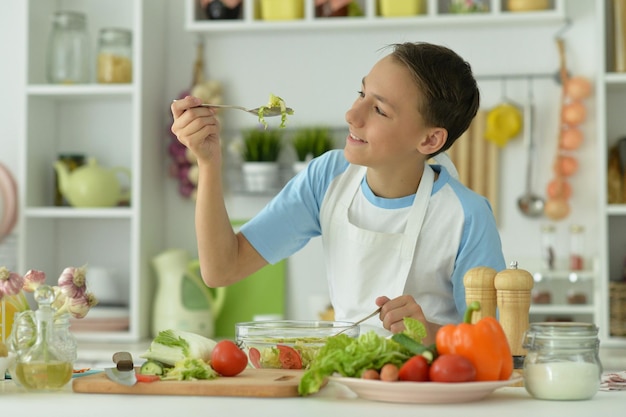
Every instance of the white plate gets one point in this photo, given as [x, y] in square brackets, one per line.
[422, 392]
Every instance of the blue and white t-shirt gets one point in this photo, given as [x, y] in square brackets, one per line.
[458, 233]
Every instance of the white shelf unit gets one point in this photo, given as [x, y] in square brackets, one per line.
[558, 283]
[119, 125]
[611, 100]
[436, 14]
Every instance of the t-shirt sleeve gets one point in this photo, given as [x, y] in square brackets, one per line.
[291, 218]
[480, 246]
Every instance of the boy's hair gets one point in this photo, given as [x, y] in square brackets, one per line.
[450, 96]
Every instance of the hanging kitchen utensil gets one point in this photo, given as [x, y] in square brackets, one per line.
[529, 203]
[124, 370]
[504, 121]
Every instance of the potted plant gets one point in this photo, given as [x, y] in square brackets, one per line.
[309, 143]
[260, 151]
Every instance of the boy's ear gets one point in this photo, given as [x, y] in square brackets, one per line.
[433, 141]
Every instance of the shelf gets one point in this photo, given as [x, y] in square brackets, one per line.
[249, 22]
[562, 309]
[375, 22]
[115, 123]
[564, 275]
[616, 209]
[78, 213]
[615, 78]
[80, 90]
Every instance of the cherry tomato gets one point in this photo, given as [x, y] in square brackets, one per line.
[255, 357]
[289, 357]
[389, 372]
[147, 378]
[451, 367]
[415, 369]
[227, 359]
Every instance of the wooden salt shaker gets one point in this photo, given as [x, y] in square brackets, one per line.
[479, 286]
[513, 287]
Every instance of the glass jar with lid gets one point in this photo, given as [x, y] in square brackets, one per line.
[68, 49]
[577, 247]
[562, 361]
[548, 246]
[115, 56]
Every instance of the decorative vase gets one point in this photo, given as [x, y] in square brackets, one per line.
[260, 176]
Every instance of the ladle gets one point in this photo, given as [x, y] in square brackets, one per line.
[529, 203]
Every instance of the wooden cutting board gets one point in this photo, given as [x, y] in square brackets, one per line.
[249, 383]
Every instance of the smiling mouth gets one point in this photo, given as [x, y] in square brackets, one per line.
[358, 139]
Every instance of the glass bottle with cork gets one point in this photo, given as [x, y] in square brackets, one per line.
[44, 366]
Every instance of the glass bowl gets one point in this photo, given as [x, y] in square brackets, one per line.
[287, 344]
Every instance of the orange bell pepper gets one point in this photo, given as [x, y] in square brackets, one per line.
[483, 343]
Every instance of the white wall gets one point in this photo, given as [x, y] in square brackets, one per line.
[318, 73]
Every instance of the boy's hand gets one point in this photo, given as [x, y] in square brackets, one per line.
[197, 128]
[394, 311]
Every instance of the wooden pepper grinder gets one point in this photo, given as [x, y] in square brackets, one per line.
[479, 286]
[513, 288]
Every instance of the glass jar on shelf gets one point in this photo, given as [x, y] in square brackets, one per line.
[68, 49]
[548, 246]
[115, 56]
[579, 290]
[576, 247]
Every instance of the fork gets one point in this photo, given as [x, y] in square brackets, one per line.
[267, 111]
[360, 321]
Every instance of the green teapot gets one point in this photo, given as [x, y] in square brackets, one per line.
[91, 185]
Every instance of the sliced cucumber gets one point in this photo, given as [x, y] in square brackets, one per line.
[152, 367]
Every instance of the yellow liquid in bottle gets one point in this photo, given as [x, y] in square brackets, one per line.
[44, 375]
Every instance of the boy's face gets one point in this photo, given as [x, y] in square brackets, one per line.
[385, 124]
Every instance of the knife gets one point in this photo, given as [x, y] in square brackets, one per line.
[124, 371]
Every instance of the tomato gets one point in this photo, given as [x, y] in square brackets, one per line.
[451, 367]
[289, 357]
[415, 369]
[255, 357]
[228, 359]
[147, 378]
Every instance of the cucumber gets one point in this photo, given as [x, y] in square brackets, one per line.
[152, 367]
[414, 347]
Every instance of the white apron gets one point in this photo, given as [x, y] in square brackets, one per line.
[364, 264]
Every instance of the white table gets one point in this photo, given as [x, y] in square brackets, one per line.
[334, 400]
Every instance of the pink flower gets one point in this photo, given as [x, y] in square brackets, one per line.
[73, 282]
[11, 283]
[33, 279]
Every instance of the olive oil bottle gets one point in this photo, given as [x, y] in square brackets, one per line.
[43, 367]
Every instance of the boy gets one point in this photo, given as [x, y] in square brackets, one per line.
[397, 232]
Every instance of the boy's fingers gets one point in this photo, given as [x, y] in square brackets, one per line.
[180, 106]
